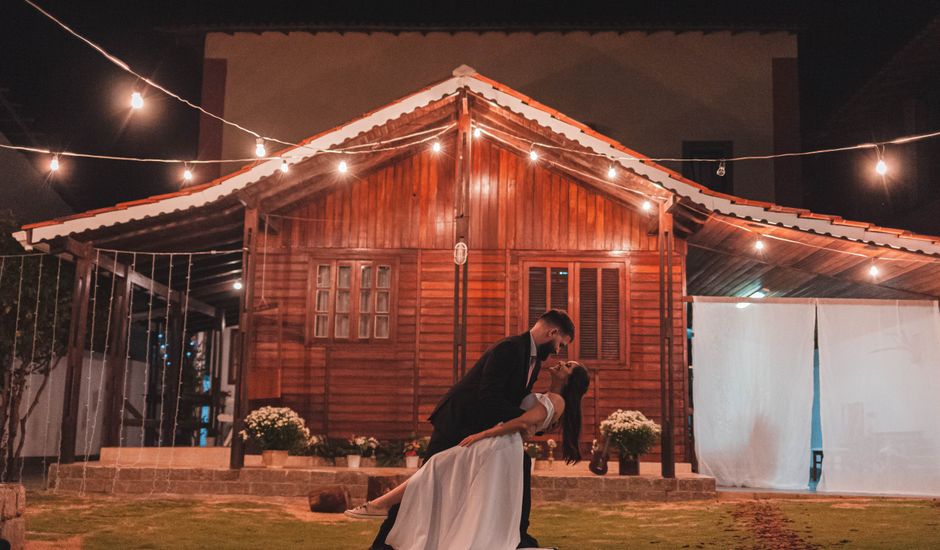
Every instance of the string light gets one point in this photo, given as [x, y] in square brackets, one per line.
[137, 101]
[533, 155]
[237, 285]
[477, 132]
[759, 245]
[343, 167]
[284, 166]
[187, 173]
[647, 206]
[611, 172]
[881, 167]
[721, 169]
[436, 147]
[260, 152]
[873, 270]
[54, 163]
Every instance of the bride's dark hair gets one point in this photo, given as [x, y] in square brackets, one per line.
[572, 393]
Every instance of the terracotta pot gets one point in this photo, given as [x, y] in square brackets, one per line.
[352, 461]
[412, 462]
[273, 459]
[629, 465]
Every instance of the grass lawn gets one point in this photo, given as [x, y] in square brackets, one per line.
[67, 521]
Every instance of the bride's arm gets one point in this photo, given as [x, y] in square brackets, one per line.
[526, 423]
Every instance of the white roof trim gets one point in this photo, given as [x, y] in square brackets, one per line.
[509, 101]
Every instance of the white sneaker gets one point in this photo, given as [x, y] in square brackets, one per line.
[363, 511]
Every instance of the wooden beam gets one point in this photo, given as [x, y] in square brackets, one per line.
[250, 237]
[139, 279]
[116, 362]
[76, 352]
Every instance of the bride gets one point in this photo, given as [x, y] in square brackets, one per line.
[470, 496]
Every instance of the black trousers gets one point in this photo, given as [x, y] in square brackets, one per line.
[439, 443]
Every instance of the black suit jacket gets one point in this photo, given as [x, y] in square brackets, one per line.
[489, 393]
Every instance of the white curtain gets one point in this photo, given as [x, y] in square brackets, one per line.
[753, 392]
[879, 376]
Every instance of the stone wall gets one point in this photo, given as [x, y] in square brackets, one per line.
[12, 515]
[301, 482]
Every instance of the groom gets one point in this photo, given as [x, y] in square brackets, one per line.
[490, 393]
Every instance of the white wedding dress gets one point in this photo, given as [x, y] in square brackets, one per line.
[467, 498]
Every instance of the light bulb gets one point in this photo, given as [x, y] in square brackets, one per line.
[721, 168]
[881, 167]
[477, 132]
[759, 244]
[137, 101]
[54, 163]
[533, 155]
[343, 167]
[259, 148]
[647, 206]
[611, 172]
[873, 270]
[436, 147]
[187, 174]
[237, 285]
[284, 166]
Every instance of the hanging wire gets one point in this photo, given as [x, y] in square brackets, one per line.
[91, 362]
[183, 344]
[127, 358]
[8, 406]
[28, 374]
[163, 356]
[53, 360]
[104, 356]
[143, 411]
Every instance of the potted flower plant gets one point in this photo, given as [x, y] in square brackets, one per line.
[633, 434]
[360, 446]
[413, 451]
[276, 430]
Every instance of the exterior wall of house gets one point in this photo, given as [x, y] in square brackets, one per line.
[650, 91]
[401, 215]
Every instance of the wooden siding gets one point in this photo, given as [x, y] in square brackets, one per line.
[404, 210]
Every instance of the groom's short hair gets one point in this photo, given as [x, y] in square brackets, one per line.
[559, 319]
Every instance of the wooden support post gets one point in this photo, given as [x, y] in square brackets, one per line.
[462, 233]
[78, 326]
[667, 455]
[237, 457]
[116, 361]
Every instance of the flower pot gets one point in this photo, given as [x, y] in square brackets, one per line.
[273, 459]
[412, 462]
[352, 461]
[629, 465]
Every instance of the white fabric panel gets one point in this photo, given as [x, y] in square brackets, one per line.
[753, 392]
[879, 376]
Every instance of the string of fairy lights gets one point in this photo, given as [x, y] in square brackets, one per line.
[432, 136]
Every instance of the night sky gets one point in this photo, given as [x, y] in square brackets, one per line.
[74, 99]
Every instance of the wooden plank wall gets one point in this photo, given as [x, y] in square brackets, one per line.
[405, 210]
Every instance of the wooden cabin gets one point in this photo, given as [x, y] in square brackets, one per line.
[359, 308]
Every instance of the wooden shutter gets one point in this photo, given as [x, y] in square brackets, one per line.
[538, 293]
[610, 313]
[558, 288]
[587, 313]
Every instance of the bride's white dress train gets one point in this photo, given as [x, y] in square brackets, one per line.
[467, 498]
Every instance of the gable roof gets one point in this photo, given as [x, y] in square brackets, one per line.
[516, 102]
